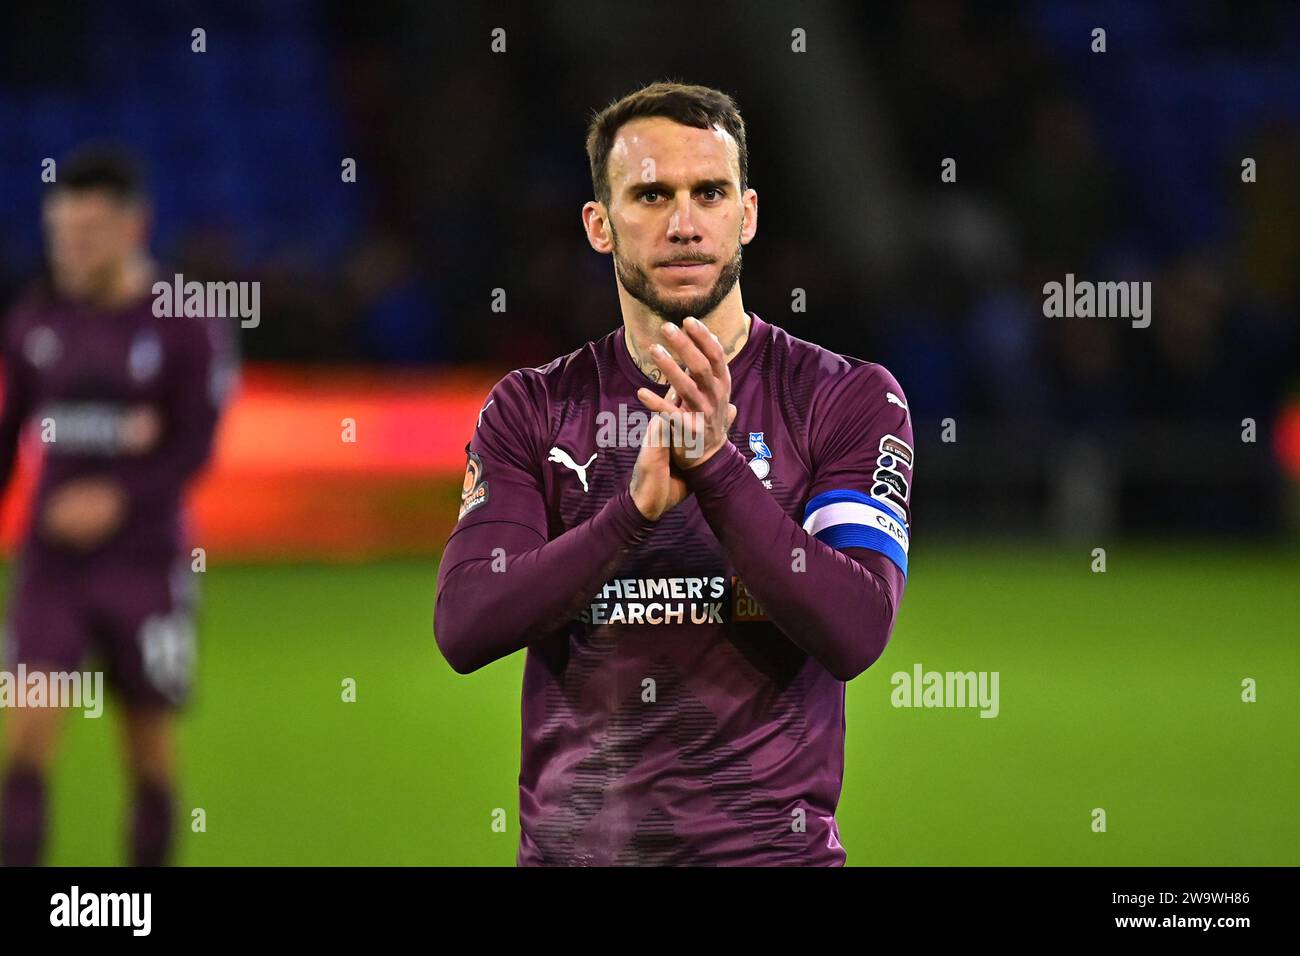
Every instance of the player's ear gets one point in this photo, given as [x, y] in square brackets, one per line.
[595, 222]
[749, 206]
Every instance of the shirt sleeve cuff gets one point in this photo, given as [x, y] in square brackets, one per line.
[627, 518]
[724, 466]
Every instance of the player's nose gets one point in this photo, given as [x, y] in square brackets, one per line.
[681, 226]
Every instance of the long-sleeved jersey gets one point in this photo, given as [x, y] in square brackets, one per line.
[683, 696]
[117, 393]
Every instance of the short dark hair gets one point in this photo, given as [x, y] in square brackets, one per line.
[105, 167]
[700, 106]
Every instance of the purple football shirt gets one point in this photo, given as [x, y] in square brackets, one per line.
[83, 376]
[683, 693]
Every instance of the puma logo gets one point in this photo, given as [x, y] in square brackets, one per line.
[560, 456]
[894, 399]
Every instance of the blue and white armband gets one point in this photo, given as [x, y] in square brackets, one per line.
[852, 519]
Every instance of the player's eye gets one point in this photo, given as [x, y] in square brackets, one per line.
[713, 189]
[649, 192]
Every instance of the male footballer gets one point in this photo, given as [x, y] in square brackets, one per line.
[698, 527]
[126, 404]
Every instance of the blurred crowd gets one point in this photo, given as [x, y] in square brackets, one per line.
[1115, 166]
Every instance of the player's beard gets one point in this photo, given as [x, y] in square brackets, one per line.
[639, 286]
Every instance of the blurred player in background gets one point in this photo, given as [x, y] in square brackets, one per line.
[694, 587]
[127, 404]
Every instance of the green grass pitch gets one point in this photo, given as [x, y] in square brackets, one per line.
[1119, 690]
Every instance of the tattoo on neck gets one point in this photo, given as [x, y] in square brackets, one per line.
[649, 369]
[732, 348]
[655, 373]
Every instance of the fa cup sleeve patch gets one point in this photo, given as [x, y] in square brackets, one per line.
[474, 490]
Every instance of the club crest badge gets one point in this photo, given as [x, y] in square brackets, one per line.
[145, 357]
[42, 346]
[760, 463]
